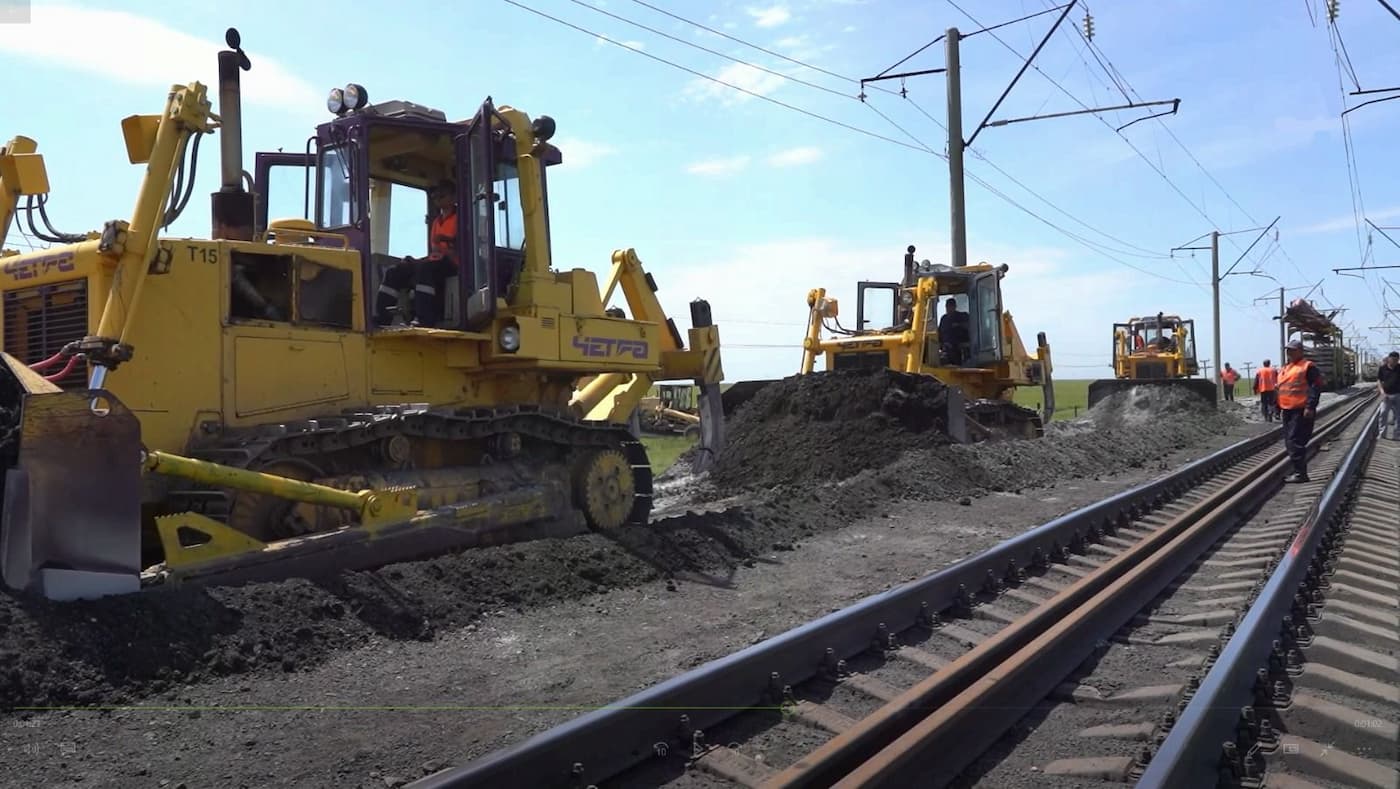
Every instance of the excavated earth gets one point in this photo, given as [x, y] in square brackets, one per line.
[834, 488]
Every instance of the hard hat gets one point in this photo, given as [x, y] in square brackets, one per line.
[1295, 344]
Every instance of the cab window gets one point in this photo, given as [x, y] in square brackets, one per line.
[336, 208]
[510, 216]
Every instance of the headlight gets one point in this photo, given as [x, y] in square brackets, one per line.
[906, 298]
[510, 339]
[356, 97]
[336, 101]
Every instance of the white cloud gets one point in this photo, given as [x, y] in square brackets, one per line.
[600, 42]
[719, 167]
[771, 16]
[1347, 222]
[795, 156]
[758, 293]
[849, 29]
[582, 153]
[739, 75]
[84, 39]
[1240, 146]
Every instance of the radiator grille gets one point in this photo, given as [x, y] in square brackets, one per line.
[40, 321]
[861, 360]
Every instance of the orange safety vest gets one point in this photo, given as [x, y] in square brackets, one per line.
[1268, 379]
[1230, 376]
[443, 226]
[1293, 385]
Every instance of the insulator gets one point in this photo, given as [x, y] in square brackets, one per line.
[1089, 25]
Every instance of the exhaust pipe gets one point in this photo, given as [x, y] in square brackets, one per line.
[232, 205]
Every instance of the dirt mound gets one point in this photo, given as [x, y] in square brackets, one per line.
[1140, 405]
[128, 648]
[827, 426]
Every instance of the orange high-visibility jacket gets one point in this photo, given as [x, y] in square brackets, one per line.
[1267, 380]
[1293, 385]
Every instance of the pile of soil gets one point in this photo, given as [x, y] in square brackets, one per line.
[1140, 405]
[822, 427]
[873, 438]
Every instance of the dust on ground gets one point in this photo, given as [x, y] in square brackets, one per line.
[766, 525]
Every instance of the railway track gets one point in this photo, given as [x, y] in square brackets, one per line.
[1306, 693]
[912, 686]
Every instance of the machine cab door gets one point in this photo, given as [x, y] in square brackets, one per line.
[865, 316]
[476, 164]
[282, 185]
[985, 319]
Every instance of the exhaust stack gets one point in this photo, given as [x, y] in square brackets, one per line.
[232, 205]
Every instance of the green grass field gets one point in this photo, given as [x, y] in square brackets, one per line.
[663, 450]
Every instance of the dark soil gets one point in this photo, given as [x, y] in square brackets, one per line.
[828, 426]
[122, 649]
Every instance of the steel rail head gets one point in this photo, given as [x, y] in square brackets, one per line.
[969, 713]
[663, 718]
[1192, 753]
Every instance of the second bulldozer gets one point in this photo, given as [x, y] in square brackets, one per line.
[982, 365]
[1158, 350]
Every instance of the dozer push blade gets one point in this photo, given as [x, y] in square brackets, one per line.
[740, 393]
[1105, 388]
[70, 523]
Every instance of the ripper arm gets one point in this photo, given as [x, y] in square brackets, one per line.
[158, 141]
[620, 394]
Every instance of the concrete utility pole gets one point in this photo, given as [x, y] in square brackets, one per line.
[1248, 370]
[1215, 305]
[957, 198]
[1216, 277]
[957, 202]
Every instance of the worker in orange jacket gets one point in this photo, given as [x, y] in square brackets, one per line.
[427, 276]
[1299, 391]
[1266, 386]
[1229, 377]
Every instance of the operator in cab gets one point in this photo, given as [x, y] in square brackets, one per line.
[426, 276]
[953, 332]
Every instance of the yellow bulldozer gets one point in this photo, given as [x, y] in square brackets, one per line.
[672, 410]
[182, 410]
[980, 356]
[1158, 350]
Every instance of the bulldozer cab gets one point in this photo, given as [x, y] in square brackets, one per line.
[369, 178]
[679, 397]
[976, 293]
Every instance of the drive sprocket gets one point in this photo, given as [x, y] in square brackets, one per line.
[604, 488]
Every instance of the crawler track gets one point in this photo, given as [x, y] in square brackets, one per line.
[911, 686]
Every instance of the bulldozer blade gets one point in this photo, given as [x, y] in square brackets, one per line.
[742, 392]
[1103, 389]
[70, 522]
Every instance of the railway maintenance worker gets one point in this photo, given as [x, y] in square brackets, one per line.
[1299, 390]
[1266, 386]
[1388, 382]
[1229, 377]
[428, 276]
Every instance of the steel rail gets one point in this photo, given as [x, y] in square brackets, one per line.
[1191, 754]
[605, 742]
[929, 733]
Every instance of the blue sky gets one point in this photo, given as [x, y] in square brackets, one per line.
[732, 197]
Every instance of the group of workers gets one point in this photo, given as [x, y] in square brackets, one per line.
[1292, 393]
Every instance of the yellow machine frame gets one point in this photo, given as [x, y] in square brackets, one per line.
[997, 360]
[157, 353]
[1163, 360]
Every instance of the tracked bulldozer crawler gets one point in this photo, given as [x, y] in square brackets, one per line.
[1156, 350]
[982, 369]
[189, 410]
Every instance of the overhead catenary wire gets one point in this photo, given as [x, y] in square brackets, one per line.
[917, 147]
[1130, 250]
